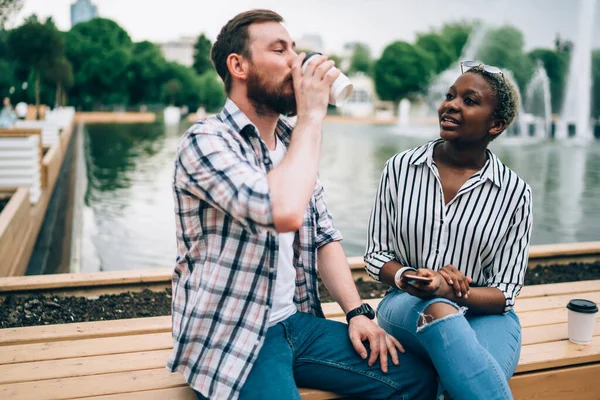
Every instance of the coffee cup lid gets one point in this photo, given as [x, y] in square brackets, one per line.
[582, 306]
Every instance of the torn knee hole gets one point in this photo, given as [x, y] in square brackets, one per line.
[436, 311]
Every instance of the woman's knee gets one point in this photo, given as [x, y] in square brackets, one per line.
[437, 311]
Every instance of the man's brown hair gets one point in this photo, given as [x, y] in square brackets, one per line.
[233, 38]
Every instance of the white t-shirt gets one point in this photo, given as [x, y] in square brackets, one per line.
[285, 285]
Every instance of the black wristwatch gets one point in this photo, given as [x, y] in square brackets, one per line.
[365, 310]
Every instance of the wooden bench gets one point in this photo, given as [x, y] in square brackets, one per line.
[125, 359]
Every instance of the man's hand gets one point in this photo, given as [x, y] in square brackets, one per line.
[311, 87]
[438, 287]
[363, 329]
[457, 280]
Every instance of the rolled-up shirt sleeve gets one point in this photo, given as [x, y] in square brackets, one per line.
[326, 232]
[209, 167]
[510, 261]
[380, 249]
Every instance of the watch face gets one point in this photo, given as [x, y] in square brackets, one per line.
[368, 311]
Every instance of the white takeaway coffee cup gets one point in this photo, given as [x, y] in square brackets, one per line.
[340, 89]
[582, 320]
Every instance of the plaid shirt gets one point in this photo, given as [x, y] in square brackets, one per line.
[227, 247]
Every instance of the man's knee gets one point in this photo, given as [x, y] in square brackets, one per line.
[436, 311]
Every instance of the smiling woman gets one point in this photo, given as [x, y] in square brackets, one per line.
[450, 211]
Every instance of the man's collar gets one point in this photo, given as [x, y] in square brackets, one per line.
[232, 115]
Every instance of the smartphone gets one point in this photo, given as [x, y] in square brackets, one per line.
[411, 279]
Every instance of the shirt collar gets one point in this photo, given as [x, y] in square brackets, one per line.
[232, 115]
[492, 170]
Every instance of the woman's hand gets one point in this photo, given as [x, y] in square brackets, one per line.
[438, 287]
[457, 280]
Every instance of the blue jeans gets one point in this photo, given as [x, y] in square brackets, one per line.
[474, 355]
[310, 352]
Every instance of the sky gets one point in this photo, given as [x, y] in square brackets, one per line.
[375, 22]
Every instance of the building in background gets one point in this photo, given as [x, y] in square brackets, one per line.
[82, 11]
[363, 99]
[180, 50]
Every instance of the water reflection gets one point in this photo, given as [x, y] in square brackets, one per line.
[129, 222]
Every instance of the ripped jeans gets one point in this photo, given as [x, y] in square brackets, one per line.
[474, 355]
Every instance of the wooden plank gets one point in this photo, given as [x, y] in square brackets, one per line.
[24, 353]
[93, 385]
[84, 279]
[564, 249]
[314, 394]
[82, 366]
[577, 383]
[550, 302]
[550, 333]
[84, 330]
[558, 354]
[552, 289]
[115, 117]
[14, 229]
[544, 317]
[178, 393]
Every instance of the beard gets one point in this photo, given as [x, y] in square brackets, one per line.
[270, 98]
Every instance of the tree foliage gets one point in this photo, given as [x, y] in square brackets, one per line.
[456, 35]
[439, 48]
[9, 8]
[596, 84]
[36, 46]
[402, 70]
[503, 47]
[100, 51]
[202, 61]
[360, 60]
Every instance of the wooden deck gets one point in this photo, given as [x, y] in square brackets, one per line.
[124, 359]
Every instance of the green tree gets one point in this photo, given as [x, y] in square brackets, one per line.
[403, 70]
[503, 47]
[60, 73]
[36, 46]
[439, 48]
[596, 83]
[212, 91]
[202, 61]
[190, 85]
[100, 52]
[146, 73]
[8, 8]
[456, 35]
[172, 89]
[7, 79]
[556, 65]
[360, 60]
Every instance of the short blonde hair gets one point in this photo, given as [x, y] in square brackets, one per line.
[506, 93]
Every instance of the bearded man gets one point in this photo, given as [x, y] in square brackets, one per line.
[252, 226]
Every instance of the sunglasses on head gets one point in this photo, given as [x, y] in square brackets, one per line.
[467, 65]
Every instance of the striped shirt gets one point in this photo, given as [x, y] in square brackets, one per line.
[226, 266]
[484, 231]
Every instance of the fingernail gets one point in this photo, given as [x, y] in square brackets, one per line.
[363, 355]
[451, 282]
[459, 294]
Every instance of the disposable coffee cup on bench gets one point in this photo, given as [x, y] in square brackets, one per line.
[582, 320]
[340, 89]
